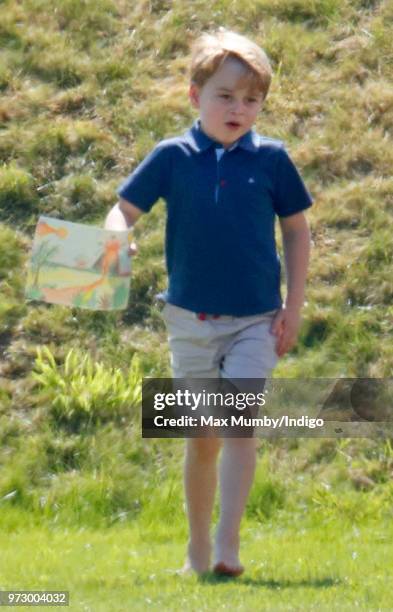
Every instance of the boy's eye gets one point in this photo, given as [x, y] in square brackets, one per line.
[225, 96]
[251, 100]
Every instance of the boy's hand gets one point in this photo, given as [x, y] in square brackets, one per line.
[132, 249]
[122, 217]
[285, 327]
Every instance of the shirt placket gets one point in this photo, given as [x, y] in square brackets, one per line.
[221, 178]
[219, 155]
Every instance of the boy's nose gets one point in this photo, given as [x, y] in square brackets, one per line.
[238, 106]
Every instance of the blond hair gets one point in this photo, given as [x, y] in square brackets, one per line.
[210, 50]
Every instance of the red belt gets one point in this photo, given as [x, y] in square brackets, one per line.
[202, 316]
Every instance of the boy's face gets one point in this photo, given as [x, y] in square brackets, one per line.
[228, 107]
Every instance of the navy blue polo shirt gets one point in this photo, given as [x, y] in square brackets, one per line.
[221, 207]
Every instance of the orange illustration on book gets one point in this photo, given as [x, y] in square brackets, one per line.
[69, 293]
[43, 229]
[110, 257]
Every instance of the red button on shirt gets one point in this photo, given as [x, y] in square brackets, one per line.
[223, 182]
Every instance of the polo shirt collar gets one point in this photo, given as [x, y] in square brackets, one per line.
[201, 141]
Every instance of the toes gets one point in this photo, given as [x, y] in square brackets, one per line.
[221, 569]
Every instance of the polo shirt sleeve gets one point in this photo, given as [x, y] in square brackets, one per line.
[291, 195]
[149, 181]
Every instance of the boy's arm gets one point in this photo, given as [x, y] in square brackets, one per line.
[296, 243]
[122, 216]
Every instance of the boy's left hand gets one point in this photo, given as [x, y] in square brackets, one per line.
[285, 327]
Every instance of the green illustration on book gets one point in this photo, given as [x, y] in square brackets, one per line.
[79, 265]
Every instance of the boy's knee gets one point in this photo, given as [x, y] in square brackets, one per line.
[203, 449]
[242, 443]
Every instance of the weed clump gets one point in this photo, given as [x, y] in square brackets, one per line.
[18, 197]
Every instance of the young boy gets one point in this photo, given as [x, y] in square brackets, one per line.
[224, 185]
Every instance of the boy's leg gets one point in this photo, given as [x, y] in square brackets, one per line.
[237, 470]
[195, 355]
[200, 480]
[250, 356]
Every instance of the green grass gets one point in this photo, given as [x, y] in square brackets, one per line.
[295, 566]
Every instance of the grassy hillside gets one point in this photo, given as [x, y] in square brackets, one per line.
[87, 88]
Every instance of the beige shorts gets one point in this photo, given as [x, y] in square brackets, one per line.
[227, 347]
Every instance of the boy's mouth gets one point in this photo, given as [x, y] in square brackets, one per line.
[232, 124]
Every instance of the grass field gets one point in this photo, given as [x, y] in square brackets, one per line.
[295, 566]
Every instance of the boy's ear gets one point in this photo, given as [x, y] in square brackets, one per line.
[194, 95]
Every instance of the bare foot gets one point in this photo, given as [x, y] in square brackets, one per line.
[198, 558]
[221, 569]
[186, 570]
[227, 557]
